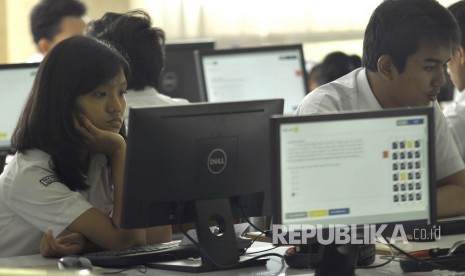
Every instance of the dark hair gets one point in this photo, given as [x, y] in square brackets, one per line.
[336, 65]
[132, 33]
[397, 27]
[74, 67]
[46, 17]
[458, 11]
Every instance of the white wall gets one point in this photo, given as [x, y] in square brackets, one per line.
[323, 26]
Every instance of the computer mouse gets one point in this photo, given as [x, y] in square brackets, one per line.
[457, 248]
[74, 262]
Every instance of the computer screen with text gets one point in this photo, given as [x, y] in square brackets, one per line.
[355, 168]
[16, 80]
[253, 74]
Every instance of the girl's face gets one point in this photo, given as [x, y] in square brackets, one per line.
[105, 105]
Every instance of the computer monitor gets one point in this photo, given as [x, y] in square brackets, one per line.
[196, 163]
[179, 78]
[365, 170]
[254, 73]
[16, 83]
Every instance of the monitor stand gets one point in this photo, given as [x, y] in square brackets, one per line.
[336, 259]
[218, 250]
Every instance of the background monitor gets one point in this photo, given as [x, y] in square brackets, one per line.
[254, 73]
[179, 78]
[368, 173]
[16, 83]
[197, 163]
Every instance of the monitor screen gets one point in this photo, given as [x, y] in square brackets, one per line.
[199, 162]
[366, 168]
[17, 81]
[254, 73]
[179, 78]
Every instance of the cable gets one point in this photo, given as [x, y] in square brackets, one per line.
[439, 266]
[206, 255]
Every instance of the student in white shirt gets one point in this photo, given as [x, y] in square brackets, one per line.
[406, 48]
[132, 33]
[61, 194]
[52, 21]
[455, 112]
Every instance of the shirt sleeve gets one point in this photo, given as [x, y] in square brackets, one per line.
[448, 159]
[455, 116]
[38, 197]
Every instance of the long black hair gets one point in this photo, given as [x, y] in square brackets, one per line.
[75, 66]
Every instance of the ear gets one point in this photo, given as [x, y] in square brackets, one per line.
[45, 45]
[386, 67]
[461, 53]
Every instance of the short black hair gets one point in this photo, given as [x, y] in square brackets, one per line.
[398, 27]
[458, 11]
[46, 16]
[337, 64]
[142, 44]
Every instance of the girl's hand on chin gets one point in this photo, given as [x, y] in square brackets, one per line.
[99, 140]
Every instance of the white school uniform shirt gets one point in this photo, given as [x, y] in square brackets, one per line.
[353, 92]
[149, 96]
[455, 115]
[32, 200]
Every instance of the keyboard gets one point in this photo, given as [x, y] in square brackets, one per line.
[162, 252]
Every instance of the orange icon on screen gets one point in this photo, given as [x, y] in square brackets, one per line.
[298, 73]
[385, 154]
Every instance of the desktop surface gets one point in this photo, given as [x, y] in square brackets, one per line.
[274, 265]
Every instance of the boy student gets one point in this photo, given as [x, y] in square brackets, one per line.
[133, 34]
[455, 112]
[406, 48]
[51, 21]
[61, 193]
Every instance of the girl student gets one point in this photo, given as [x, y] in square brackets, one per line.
[61, 193]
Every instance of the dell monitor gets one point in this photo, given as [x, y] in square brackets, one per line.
[198, 163]
[17, 81]
[179, 78]
[371, 169]
[254, 73]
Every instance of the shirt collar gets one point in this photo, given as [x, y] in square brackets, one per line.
[366, 98]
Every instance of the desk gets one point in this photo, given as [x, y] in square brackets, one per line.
[274, 266]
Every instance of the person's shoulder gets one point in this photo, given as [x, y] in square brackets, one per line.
[331, 97]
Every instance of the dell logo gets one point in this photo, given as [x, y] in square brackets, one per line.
[217, 160]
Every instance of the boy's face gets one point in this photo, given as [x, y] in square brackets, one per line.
[420, 82]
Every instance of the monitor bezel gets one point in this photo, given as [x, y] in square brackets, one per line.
[409, 226]
[132, 171]
[194, 94]
[5, 150]
[199, 56]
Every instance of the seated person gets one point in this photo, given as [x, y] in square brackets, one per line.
[62, 190]
[406, 47]
[54, 20]
[143, 45]
[455, 111]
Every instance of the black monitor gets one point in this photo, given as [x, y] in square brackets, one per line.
[16, 83]
[368, 171]
[198, 163]
[179, 78]
[254, 73]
